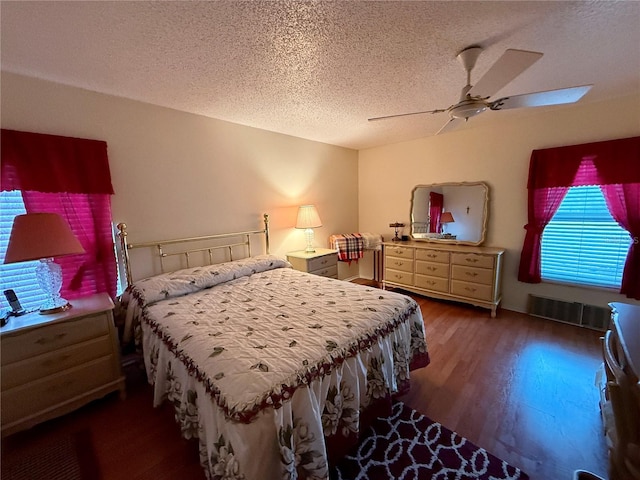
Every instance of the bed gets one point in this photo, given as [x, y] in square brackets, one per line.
[275, 371]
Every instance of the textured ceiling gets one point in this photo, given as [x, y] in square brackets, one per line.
[318, 70]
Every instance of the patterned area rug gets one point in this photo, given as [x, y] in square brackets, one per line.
[63, 457]
[409, 446]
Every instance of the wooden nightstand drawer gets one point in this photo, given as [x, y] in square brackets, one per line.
[31, 369]
[50, 391]
[330, 272]
[471, 274]
[322, 262]
[52, 337]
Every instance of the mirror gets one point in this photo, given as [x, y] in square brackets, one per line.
[450, 212]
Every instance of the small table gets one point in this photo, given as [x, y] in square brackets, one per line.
[323, 262]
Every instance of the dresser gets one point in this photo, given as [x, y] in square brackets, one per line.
[53, 364]
[452, 272]
[620, 394]
[323, 262]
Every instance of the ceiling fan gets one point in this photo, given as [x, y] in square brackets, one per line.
[474, 99]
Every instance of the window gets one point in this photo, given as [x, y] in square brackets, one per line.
[70, 177]
[20, 277]
[583, 244]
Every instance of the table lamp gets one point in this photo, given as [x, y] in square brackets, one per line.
[42, 236]
[308, 219]
[445, 218]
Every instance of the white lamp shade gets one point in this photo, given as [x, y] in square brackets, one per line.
[308, 217]
[40, 235]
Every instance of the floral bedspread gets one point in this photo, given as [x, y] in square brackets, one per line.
[267, 365]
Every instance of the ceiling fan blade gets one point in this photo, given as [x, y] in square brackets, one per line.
[450, 125]
[511, 64]
[404, 115]
[541, 99]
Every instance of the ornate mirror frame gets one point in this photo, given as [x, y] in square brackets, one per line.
[468, 202]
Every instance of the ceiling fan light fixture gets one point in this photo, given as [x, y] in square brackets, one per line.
[467, 110]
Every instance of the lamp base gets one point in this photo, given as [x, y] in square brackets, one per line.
[49, 276]
[308, 233]
[46, 310]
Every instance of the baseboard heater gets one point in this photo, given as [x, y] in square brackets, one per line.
[575, 313]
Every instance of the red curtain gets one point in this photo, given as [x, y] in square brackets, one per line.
[436, 200]
[68, 176]
[552, 171]
[51, 163]
[543, 204]
[623, 202]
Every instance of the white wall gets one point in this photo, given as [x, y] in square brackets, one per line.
[176, 174]
[498, 155]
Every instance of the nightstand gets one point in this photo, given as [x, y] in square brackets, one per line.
[53, 364]
[323, 262]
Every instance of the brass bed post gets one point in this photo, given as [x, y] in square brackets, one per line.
[124, 247]
[266, 231]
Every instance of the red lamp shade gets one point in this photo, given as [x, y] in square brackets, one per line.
[40, 235]
[446, 217]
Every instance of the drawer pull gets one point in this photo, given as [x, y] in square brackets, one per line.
[61, 358]
[471, 274]
[431, 255]
[472, 260]
[433, 269]
[470, 289]
[60, 386]
[430, 282]
[398, 252]
[399, 264]
[398, 276]
[55, 338]
[324, 272]
[324, 262]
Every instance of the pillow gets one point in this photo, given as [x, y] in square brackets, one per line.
[182, 282]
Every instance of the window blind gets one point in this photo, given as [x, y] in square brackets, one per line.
[583, 244]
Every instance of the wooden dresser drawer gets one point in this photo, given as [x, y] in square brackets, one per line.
[50, 391]
[398, 251]
[432, 256]
[472, 274]
[402, 264]
[433, 269]
[324, 261]
[437, 284]
[471, 290]
[30, 369]
[472, 260]
[53, 337]
[398, 276]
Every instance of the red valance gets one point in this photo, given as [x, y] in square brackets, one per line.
[52, 164]
[615, 161]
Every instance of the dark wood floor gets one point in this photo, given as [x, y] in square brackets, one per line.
[521, 387]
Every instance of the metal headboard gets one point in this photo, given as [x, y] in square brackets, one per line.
[162, 254]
